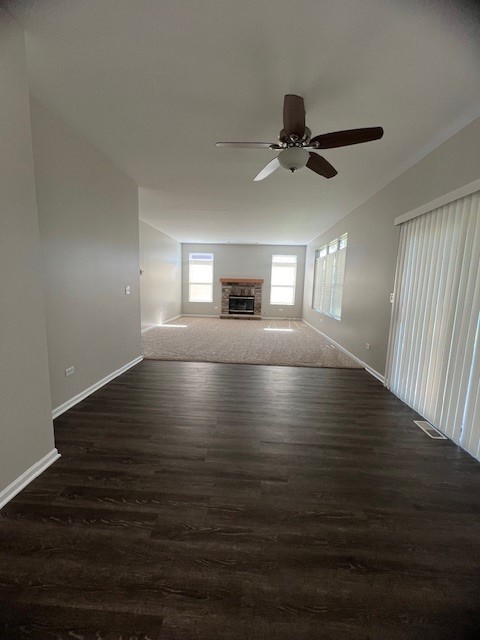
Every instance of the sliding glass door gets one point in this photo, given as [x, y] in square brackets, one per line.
[434, 361]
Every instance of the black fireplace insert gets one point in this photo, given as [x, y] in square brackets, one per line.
[241, 304]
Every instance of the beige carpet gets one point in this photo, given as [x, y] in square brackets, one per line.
[274, 342]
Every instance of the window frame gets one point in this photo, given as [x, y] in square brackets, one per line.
[190, 282]
[320, 261]
[294, 264]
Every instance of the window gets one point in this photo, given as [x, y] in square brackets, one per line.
[284, 276]
[328, 279]
[200, 277]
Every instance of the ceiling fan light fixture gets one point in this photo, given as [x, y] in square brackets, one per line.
[297, 147]
[293, 158]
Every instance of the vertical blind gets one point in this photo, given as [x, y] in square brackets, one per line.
[433, 361]
[329, 276]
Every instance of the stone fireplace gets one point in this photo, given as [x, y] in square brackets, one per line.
[242, 298]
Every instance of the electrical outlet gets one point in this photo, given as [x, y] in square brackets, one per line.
[69, 371]
[127, 290]
[391, 298]
[368, 346]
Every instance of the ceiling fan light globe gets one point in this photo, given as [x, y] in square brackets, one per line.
[293, 158]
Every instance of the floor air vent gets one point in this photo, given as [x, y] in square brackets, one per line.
[430, 430]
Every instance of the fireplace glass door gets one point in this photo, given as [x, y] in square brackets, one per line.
[241, 304]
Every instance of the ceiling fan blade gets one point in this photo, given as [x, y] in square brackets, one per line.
[248, 145]
[345, 138]
[320, 165]
[267, 170]
[293, 115]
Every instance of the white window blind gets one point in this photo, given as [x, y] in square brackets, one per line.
[329, 276]
[433, 361]
[200, 277]
[284, 277]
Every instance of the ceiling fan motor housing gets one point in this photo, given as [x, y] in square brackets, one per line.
[293, 158]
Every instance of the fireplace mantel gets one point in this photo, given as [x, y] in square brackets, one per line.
[240, 287]
[242, 280]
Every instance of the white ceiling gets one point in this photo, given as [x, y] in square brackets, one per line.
[154, 83]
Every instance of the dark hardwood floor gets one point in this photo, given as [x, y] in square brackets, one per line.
[207, 501]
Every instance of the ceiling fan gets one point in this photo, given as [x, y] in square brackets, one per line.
[297, 147]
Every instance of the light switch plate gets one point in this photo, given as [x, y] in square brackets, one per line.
[127, 290]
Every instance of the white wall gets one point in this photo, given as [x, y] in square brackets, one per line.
[372, 245]
[160, 282]
[26, 431]
[88, 214]
[243, 260]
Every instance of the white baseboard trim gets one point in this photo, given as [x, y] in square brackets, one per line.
[84, 394]
[30, 474]
[373, 372]
[281, 318]
[152, 326]
[199, 315]
[367, 367]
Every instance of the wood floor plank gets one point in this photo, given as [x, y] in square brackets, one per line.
[198, 501]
